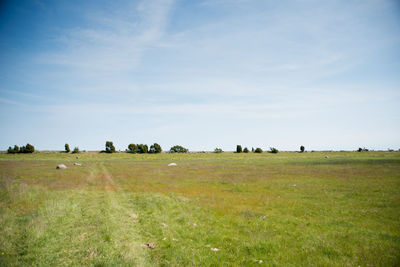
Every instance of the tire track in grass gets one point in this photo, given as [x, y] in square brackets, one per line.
[123, 224]
[81, 227]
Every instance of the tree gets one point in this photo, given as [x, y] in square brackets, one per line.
[273, 150]
[302, 149]
[155, 148]
[110, 147]
[76, 150]
[29, 148]
[258, 150]
[178, 149]
[238, 149]
[67, 150]
[132, 148]
[246, 150]
[142, 149]
[23, 149]
[218, 150]
[13, 150]
[252, 149]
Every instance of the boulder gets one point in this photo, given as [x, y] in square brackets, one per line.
[61, 166]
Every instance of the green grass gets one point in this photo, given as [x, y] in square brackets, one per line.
[286, 209]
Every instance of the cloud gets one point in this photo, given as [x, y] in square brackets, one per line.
[112, 41]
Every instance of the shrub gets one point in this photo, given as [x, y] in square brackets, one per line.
[252, 149]
[273, 150]
[178, 149]
[76, 150]
[29, 148]
[132, 148]
[67, 150]
[238, 149]
[246, 150]
[218, 150]
[362, 149]
[11, 150]
[302, 149]
[155, 148]
[23, 149]
[110, 147]
[142, 149]
[258, 150]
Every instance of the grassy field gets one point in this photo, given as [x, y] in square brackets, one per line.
[285, 209]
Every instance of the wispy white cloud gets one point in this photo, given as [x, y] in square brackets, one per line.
[113, 41]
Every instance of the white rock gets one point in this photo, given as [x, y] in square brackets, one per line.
[61, 166]
[214, 249]
[172, 164]
[77, 164]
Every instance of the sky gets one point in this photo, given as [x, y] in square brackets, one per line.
[201, 74]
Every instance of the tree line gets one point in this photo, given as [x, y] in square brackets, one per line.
[257, 150]
[153, 149]
[135, 149]
[23, 149]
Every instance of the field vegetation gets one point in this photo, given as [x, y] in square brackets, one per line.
[212, 209]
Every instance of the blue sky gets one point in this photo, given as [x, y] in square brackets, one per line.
[202, 74]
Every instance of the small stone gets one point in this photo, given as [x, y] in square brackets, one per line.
[77, 164]
[214, 249]
[172, 164]
[149, 245]
[134, 216]
[164, 225]
[61, 166]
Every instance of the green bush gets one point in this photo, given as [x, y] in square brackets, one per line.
[76, 150]
[67, 150]
[178, 149]
[273, 150]
[142, 149]
[155, 148]
[258, 150]
[238, 149]
[30, 148]
[218, 150]
[23, 149]
[132, 148]
[246, 150]
[12, 151]
[110, 147]
[302, 149]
